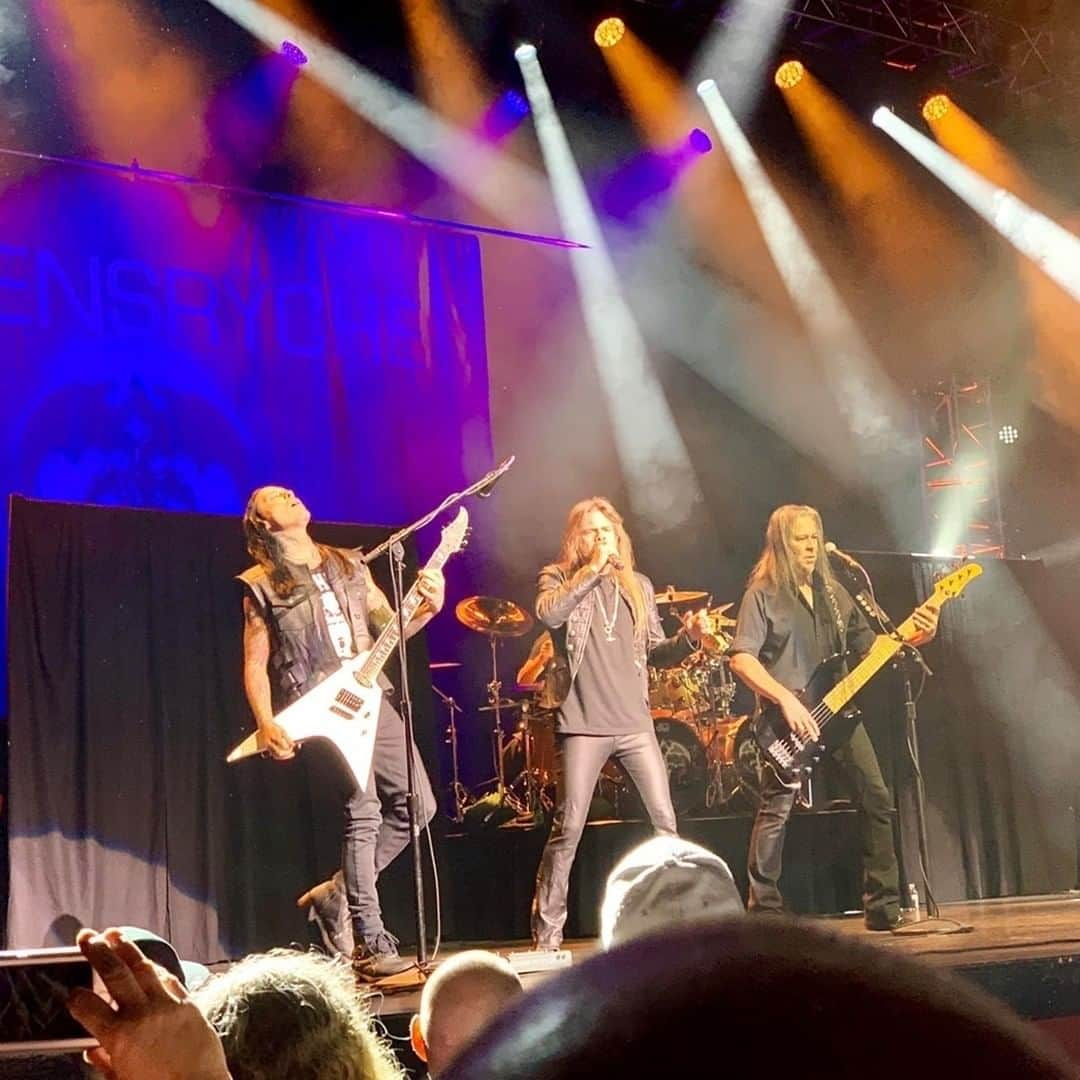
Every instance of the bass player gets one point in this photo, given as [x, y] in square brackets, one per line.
[794, 615]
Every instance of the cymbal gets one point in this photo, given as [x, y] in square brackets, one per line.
[671, 595]
[718, 618]
[494, 617]
[440, 665]
[505, 704]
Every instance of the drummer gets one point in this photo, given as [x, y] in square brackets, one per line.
[604, 629]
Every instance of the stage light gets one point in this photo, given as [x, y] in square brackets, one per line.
[881, 116]
[609, 32]
[790, 74]
[293, 53]
[698, 141]
[706, 85]
[1009, 434]
[525, 52]
[936, 108]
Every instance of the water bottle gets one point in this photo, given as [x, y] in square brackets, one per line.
[913, 901]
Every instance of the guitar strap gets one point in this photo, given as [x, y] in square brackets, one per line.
[841, 625]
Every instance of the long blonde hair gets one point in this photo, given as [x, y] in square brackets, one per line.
[776, 566]
[575, 553]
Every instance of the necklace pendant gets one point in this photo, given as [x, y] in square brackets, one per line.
[608, 635]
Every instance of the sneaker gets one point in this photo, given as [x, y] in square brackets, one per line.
[377, 958]
[328, 909]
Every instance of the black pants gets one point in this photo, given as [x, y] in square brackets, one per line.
[582, 757]
[881, 877]
[377, 822]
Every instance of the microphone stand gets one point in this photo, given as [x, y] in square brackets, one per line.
[868, 601]
[394, 546]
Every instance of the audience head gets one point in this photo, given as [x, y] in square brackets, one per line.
[752, 994]
[459, 1000]
[294, 1016]
[665, 882]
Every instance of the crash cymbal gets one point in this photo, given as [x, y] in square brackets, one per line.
[494, 617]
[671, 595]
[441, 665]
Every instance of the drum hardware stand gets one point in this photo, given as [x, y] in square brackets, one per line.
[494, 690]
[458, 790]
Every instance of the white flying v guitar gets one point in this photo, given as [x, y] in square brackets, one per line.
[344, 707]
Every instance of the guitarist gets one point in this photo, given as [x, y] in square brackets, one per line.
[307, 608]
[793, 615]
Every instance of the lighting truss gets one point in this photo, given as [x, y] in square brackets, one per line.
[1040, 63]
[960, 493]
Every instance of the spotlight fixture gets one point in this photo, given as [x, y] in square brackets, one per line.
[293, 53]
[1009, 434]
[524, 52]
[881, 116]
[706, 86]
[936, 108]
[698, 141]
[790, 74]
[609, 32]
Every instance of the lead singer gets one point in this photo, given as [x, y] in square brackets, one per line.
[605, 628]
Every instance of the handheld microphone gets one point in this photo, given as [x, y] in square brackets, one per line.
[487, 485]
[615, 561]
[843, 556]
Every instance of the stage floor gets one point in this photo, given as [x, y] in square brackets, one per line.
[1023, 950]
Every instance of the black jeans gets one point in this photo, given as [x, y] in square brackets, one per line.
[377, 822]
[582, 757]
[881, 877]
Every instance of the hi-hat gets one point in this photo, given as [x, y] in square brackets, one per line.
[505, 704]
[440, 665]
[494, 617]
[671, 595]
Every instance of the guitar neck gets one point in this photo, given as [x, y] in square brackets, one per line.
[387, 641]
[881, 652]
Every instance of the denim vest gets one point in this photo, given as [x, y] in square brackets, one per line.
[301, 650]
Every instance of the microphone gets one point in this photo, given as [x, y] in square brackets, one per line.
[487, 485]
[843, 556]
[615, 561]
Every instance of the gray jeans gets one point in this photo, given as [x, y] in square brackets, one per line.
[377, 822]
[582, 757]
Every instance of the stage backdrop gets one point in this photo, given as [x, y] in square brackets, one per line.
[171, 346]
[125, 650]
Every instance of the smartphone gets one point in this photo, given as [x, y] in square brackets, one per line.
[34, 988]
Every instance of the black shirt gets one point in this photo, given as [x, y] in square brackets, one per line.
[791, 639]
[606, 697]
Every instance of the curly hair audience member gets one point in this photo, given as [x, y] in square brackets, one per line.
[287, 1015]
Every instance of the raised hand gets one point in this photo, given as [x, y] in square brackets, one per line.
[151, 1030]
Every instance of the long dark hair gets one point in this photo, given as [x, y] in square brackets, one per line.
[266, 551]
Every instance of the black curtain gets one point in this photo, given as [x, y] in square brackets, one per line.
[125, 696]
[997, 731]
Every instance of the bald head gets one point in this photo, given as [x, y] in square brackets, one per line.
[459, 1000]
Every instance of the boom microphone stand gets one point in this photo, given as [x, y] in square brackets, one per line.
[393, 545]
[866, 599]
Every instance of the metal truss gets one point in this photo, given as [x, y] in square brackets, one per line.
[1041, 63]
[961, 498]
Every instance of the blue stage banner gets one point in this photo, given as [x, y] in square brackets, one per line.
[170, 345]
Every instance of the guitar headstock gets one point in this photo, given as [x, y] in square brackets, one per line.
[455, 535]
[952, 585]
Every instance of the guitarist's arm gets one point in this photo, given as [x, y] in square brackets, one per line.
[272, 735]
[432, 587]
[752, 672]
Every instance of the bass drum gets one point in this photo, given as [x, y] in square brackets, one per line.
[685, 759]
[735, 766]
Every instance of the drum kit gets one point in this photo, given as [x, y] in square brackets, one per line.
[712, 763]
